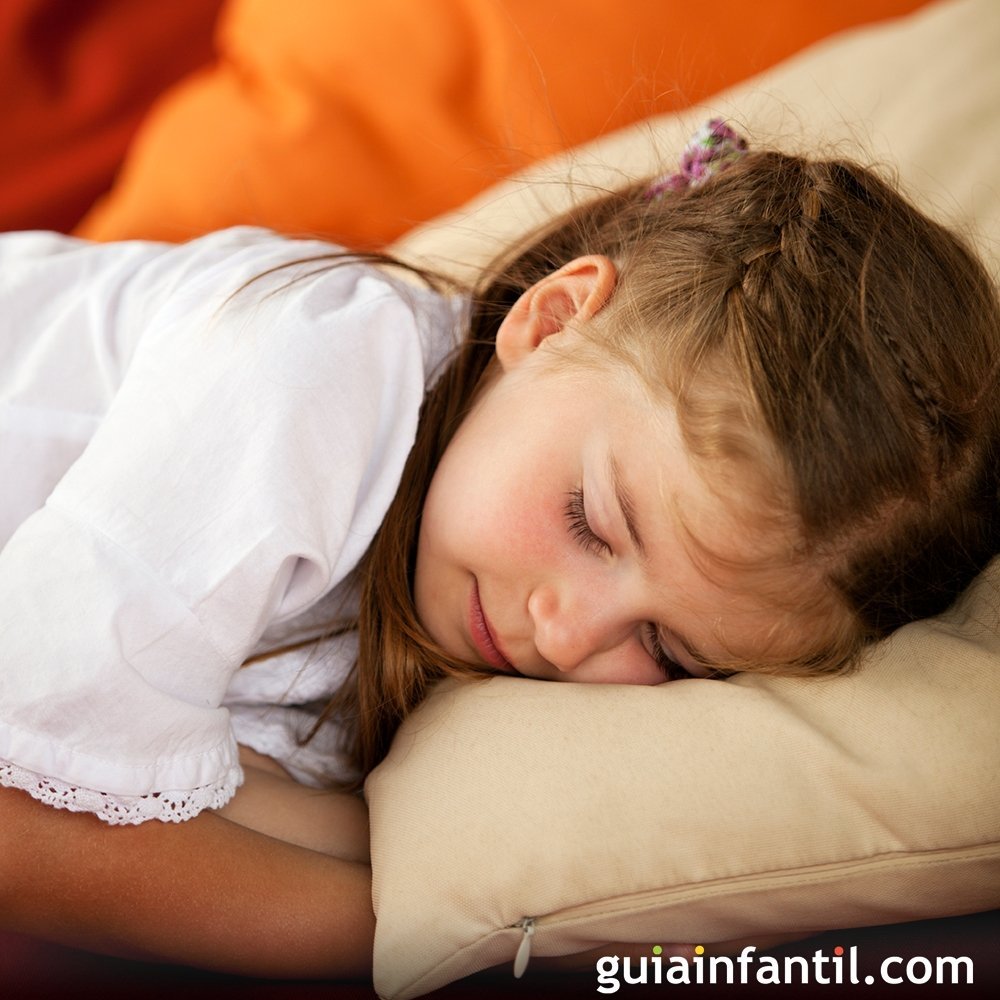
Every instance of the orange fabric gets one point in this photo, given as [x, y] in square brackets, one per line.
[360, 118]
[76, 80]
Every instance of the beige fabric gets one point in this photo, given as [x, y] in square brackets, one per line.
[701, 811]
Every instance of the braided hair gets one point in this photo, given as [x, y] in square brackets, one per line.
[832, 354]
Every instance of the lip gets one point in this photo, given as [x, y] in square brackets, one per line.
[483, 638]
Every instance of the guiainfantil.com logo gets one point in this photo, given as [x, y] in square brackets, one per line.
[841, 967]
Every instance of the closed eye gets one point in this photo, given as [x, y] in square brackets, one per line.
[671, 669]
[579, 526]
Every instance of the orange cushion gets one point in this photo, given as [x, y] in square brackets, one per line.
[76, 81]
[358, 120]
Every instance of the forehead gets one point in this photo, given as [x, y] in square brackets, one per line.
[717, 555]
[704, 505]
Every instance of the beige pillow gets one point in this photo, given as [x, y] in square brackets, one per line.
[700, 811]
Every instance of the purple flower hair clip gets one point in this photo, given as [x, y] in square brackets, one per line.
[709, 151]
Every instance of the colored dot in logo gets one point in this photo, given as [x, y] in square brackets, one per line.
[657, 949]
[869, 980]
[699, 949]
[838, 950]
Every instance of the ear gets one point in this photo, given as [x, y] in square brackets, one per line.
[573, 294]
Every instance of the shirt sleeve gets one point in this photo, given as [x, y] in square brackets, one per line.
[244, 463]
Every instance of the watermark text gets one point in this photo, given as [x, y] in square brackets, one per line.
[842, 966]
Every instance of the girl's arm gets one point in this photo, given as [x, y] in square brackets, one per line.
[270, 801]
[207, 892]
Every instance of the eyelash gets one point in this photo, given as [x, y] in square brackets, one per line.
[579, 526]
[580, 529]
[672, 670]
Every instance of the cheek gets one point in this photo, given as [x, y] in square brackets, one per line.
[623, 665]
[642, 669]
[499, 502]
[530, 526]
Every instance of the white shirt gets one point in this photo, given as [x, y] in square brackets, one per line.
[189, 471]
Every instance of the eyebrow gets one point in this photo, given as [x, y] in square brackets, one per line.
[626, 505]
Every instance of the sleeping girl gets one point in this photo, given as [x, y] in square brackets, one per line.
[260, 494]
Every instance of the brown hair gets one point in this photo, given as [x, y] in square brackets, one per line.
[817, 332]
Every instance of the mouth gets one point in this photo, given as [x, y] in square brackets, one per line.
[483, 638]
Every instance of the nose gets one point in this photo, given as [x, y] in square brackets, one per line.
[575, 624]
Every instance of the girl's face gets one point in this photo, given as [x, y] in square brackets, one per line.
[564, 533]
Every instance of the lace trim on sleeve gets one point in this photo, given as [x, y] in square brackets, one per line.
[122, 810]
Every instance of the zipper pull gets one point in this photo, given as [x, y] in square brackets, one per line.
[527, 926]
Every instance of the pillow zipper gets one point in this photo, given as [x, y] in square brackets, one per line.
[523, 956]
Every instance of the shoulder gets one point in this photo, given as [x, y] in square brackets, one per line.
[297, 292]
[229, 269]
